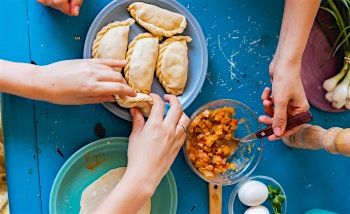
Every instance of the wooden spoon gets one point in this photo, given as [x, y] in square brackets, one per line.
[215, 198]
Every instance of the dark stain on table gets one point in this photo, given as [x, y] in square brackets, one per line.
[59, 152]
[99, 130]
[193, 208]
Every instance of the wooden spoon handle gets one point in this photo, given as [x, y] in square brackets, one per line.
[215, 199]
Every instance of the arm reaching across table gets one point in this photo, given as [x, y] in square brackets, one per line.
[288, 97]
[334, 140]
[71, 82]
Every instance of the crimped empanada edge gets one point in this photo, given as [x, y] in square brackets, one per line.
[155, 29]
[162, 47]
[129, 54]
[104, 30]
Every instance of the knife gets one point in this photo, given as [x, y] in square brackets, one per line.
[292, 122]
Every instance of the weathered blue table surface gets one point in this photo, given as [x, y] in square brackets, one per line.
[241, 36]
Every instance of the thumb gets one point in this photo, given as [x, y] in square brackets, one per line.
[75, 6]
[138, 121]
[280, 117]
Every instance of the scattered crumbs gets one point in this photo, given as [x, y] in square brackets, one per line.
[230, 89]
[255, 41]
[77, 38]
[230, 61]
[308, 186]
[208, 77]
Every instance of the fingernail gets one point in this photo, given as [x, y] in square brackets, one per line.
[277, 131]
[76, 10]
[260, 118]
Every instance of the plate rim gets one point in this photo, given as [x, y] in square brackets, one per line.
[123, 141]
[197, 30]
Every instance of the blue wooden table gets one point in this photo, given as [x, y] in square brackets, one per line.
[241, 37]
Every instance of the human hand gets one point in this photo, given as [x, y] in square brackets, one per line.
[69, 7]
[288, 98]
[84, 81]
[154, 145]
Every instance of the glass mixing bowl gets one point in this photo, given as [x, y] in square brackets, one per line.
[235, 206]
[247, 155]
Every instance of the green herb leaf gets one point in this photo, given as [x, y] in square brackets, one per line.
[277, 198]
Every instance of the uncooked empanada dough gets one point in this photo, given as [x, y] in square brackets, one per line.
[142, 58]
[142, 101]
[93, 196]
[172, 64]
[112, 41]
[156, 20]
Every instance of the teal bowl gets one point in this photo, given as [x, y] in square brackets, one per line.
[91, 162]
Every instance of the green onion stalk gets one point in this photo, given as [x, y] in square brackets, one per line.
[338, 87]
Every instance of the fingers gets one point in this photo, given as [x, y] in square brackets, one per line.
[185, 121]
[110, 88]
[286, 134]
[43, 2]
[157, 112]
[109, 62]
[138, 121]
[280, 116]
[268, 107]
[175, 111]
[266, 94]
[111, 76]
[75, 6]
[98, 99]
[267, 102]
[265, 120]
[62, 5]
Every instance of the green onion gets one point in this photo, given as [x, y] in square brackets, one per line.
[338, 86]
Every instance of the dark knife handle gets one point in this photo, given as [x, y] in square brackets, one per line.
[292, 122]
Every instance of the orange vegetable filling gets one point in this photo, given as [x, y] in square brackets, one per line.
[211, 141]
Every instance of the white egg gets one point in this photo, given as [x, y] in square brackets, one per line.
[257, 210]
[253, 193]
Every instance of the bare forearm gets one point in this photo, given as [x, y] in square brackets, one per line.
[18, 79]
[298, 19]
[129, 195]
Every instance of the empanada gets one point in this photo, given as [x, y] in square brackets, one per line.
[156, 20]
[112, 41]
[142, 101]
[142, 58]
[172, 64]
